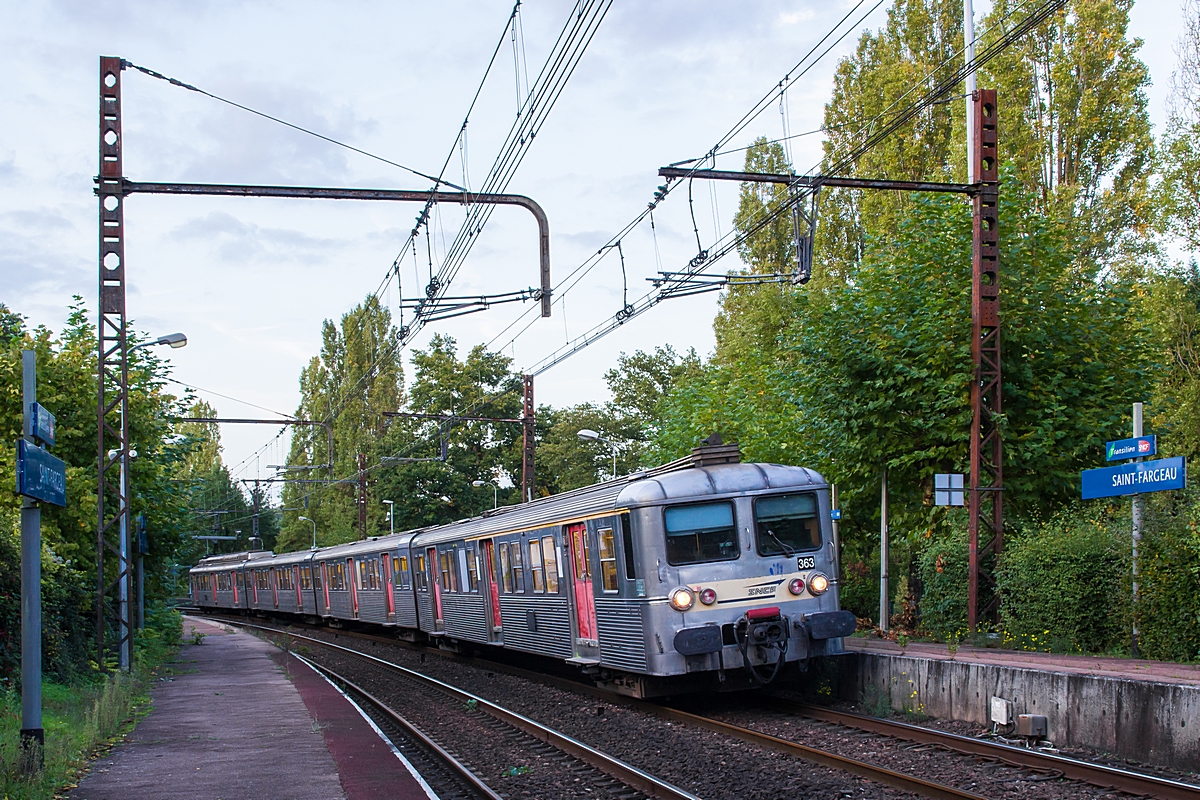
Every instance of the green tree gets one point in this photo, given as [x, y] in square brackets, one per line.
[357, 377]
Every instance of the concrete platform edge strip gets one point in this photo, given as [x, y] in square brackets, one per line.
[407, 764]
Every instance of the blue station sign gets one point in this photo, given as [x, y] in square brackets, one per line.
[43, 424]
[40, 475]
[1131, 448]
[1135, 478]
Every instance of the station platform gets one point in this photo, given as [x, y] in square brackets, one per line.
[1127, 668]
[237, 718]
[1144, 711]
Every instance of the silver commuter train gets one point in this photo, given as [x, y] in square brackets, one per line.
[703, 573]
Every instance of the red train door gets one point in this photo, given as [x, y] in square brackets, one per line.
[233, 582]
[431, 558]
[489, 568]
[254, 585]
[273, 575]
[325, 583]
[581, 575]
[296, 580]
[353, 585]
[387, 582]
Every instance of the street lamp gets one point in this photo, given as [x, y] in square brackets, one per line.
[306, 519]
[391, 504]
[174, 340]
[588, 435]
[495, 491]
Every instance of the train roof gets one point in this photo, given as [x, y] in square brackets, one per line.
[709, 472]
[227, 560]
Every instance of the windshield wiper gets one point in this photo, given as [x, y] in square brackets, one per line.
[787, 551]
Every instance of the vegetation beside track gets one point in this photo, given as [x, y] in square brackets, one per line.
[86, 715]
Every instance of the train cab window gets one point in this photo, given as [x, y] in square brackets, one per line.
[627, 542]
[537, 571]
[608, 558]
[550, 561]
[700, 533]
[786, 524]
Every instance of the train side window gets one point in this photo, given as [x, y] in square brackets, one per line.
[700, 532]
[316, 577]
[627, 541]
[447, 571]
[505, 568]
[420, 573]
[472, 570]
[608, 558]
[518, 567]
[400, 566]
[376, 583]
[550, 560]
[536, 568]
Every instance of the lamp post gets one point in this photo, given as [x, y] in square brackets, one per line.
[391, 504]
[495, 491]
[125, 652]
[588, 435]
[173, 340]
[314, 544]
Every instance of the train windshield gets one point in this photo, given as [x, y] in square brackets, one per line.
[787, 524]
[700, 533]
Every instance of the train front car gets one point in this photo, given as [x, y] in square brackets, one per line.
[743, 568]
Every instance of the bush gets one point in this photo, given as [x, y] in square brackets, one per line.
[943, 564]
[1169, 566]
[1065, 582]
[67, 608]
[858, 589]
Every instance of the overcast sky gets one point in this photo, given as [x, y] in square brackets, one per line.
[250, 280]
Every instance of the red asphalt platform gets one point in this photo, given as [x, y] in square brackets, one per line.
[237, 718]
[1097, 666]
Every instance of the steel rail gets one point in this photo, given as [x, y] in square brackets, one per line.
[1083, 771]
[862, 769]
[416, 733]
[625, 773]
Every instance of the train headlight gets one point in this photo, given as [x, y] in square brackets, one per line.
[708, 596]
[818, 583]
[796, 586]
[682, 598]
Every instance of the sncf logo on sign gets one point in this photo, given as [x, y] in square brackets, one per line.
[1131, 448]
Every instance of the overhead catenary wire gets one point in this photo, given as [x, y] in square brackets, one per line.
[292, 125]
[727, 244]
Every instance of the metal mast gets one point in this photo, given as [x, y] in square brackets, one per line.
[112, 379]
[986, 502]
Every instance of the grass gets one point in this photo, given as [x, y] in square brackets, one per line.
[83, 719]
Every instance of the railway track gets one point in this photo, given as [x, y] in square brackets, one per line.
[1095, 774]
[448, 777]
[625, 773]
[1044, 764]
[537, 737]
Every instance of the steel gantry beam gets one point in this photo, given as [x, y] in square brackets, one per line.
[394, 195]
[113, 451]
